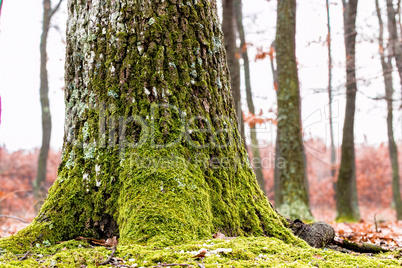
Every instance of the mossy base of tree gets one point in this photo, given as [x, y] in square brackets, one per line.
[245, 252]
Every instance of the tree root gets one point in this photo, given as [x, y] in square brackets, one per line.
[361, 248]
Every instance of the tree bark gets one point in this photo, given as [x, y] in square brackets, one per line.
[277, 167]
[386, 64]
[292, 179]
[394, 43]
[39, 187]
[229, 29]
[346, 195]
[151, 149]
[331, 131]
[255, 149]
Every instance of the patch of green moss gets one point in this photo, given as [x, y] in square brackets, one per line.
[239, 252]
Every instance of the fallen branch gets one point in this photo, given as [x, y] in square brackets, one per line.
[376, 226]
[171, 264]
[361, 248]
[110, 257]
[15, 218]
[25, 256]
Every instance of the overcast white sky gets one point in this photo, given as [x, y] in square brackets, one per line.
[19, 71]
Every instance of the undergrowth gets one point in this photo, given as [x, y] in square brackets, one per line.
[238, 252]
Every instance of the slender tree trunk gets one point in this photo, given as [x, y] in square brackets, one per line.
[346, 199]
[331, 131]
[389, 91]
[151, 151]
[292, 177]
[394, 43]
[277, 165]
[39, 187]
[229, 30]
[253, 133]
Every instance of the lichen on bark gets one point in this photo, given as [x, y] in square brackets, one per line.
[292, 189]
[151, 150]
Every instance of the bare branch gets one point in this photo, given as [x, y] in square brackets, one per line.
[54, 10]
[13, 217]
[25, 256]
[110, 257]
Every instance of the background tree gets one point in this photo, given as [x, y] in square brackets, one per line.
[39, 188]
[229, 29]
[331, 130]
[394, 43]
[346, 195]
[151, 149]
[277, 190]
[250, 103]
[386, 64]
[292, 179]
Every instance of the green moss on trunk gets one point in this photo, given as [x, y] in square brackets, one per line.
[151, 150]
[292, 181]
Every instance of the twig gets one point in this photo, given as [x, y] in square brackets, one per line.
[375, 222]
[171, 264]
[110, 257]
[25, 256]
[54, 10]
[13, 217]
[13, 192]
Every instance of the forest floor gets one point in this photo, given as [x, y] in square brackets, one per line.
[238, 252]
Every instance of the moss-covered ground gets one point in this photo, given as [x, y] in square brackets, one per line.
[238, 252]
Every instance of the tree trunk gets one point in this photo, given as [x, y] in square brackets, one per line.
[346, 198]
[292, 181]
[389, 91]
[39, 187]
[394, 43]
[229, 31]
[151, 149]
[331, 131]
[278, 166]
[255, 149]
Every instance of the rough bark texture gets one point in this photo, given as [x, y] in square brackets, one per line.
[255, 149]
[39, 188]
[346, 194]
[132, 166]
[230, 30]
[292, 176]
[386, 64]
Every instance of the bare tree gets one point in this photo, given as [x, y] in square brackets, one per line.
[386, 64]
[331, 131]
[39, 187]
[230, 30]
[346, 194]
[395, 46]
[250, 103]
